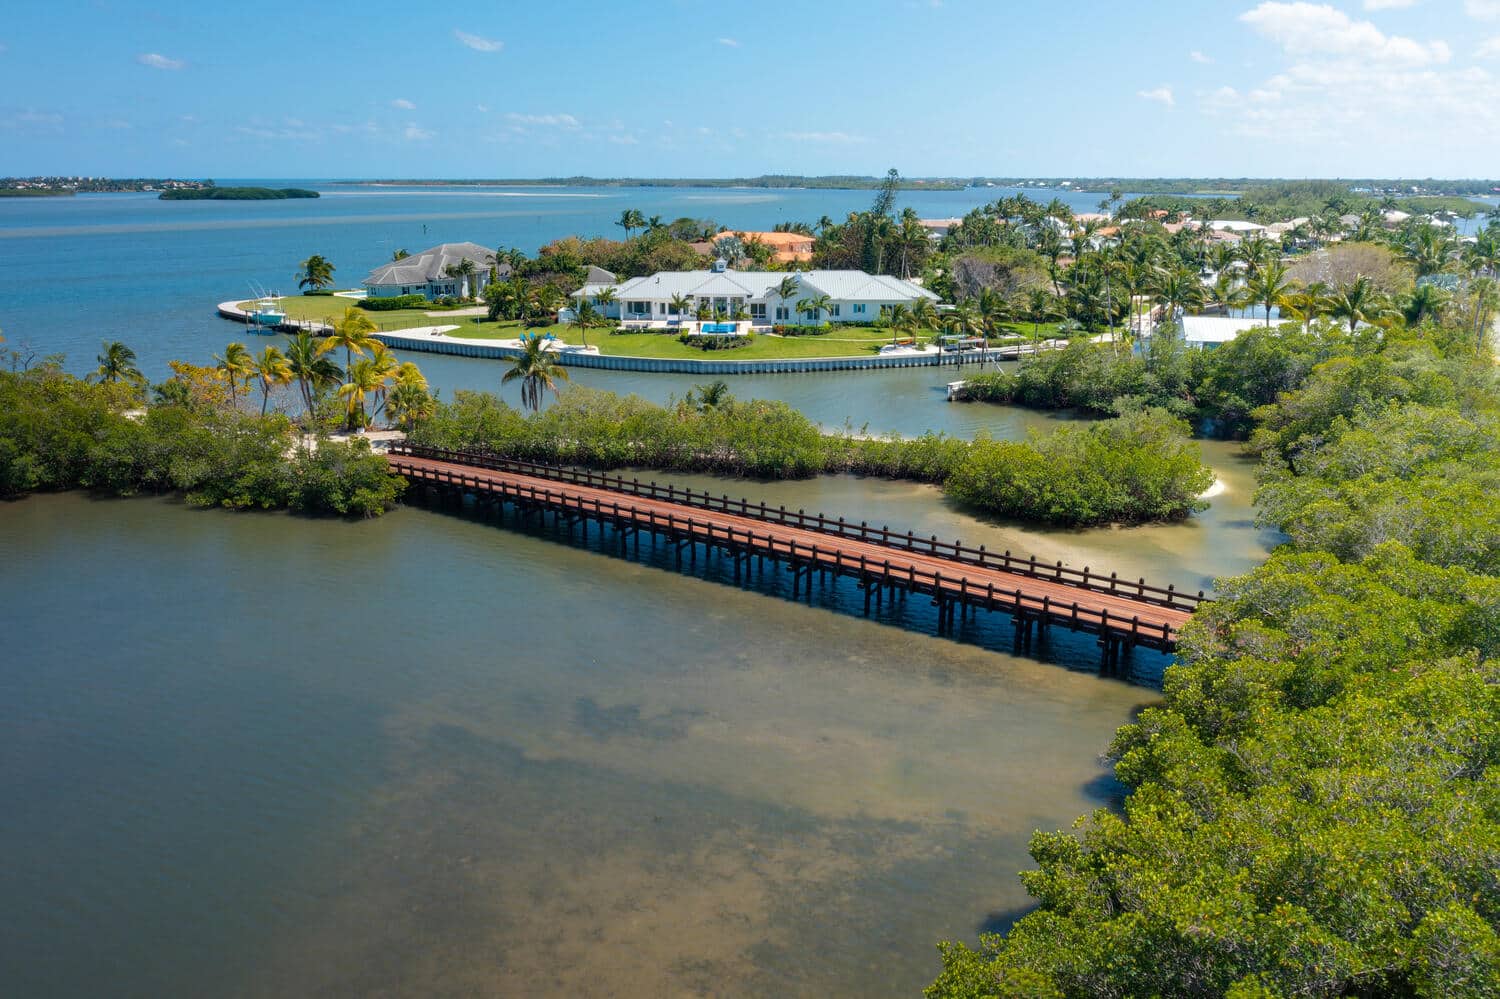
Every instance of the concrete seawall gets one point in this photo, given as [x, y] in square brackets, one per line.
[663, 365]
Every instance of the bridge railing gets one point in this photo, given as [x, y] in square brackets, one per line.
[1029, 566]
[1015, 601]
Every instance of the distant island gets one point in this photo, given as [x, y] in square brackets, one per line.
[59, 186]
[839, 182]
[236, 194]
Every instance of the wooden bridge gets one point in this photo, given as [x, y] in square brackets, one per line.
[887, 564]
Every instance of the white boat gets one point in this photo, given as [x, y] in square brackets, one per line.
[266, 311]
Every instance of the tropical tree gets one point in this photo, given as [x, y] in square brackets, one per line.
[235, 365]
[271, 369]
[363, 380]
[399, 255]
[1426, 302]
[604, 296]
[681, 304]
[1040, 307]
[352, 332]
[713, 396]
[1178, 290]
[316, 273]
[538, 370]
[1230, 292]
[313, 372]
[116, 363]
[787, 289]
[630, 220]
[464, 270]
[814, 305]
[586, 318]
[1268, 286]
[1356, 302]
[410, 402]
[925, 314]
[900, 320]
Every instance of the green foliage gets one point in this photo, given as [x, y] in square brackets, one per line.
[236, 194]
[1315, 806]
[393, 303]
[1139, 467]
[57, 432]
[709, 341]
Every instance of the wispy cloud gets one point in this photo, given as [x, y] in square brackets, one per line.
[478, 42]
[415, 133]
[830, 137]
[545, 120]
[403, 104]
[1483, 10]
[1387, 4]
[1162, 95]
[1489, 48]
[1199, 57]
[624, 140]
[1305, 29]
[732, 43]
[47, 121]
[158, 61]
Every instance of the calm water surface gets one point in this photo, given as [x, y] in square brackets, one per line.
[256, 755]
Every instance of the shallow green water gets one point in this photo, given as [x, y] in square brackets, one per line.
[257, 755]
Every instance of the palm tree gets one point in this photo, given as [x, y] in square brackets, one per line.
[352, 332]
[1256, 251]
[235, 364]
[1268, 286]
[1040, 307]
[1356, 302]
[1178, 290]
[993, 310]
[963, 321]
[586, 318]
[680, 305]
[787, 288]
[1426, 302]
[1229, 292]
[1306, 304]
[273, 369]
[714, 395]
[115, 363]
[316, 273]
[537, 370]
[399, 255]
[603, 297]
[363, 380]
[925, 314]
[410, 402]
[815, 306]
[314, 372]
[900, 319]
[465, 270]
[630, 220]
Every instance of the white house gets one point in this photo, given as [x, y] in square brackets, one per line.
[853, 296]
[427, 273]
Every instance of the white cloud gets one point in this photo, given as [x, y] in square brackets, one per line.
[477, 42]
[1306, 29]
[403, 104]
[624, 140]
[1489, 48]
[415, 133]
[1483, 10]
[158, 61]
[544, 120]
[729, 42]
[1162, 95]
[482, 108]
[831, 137]
[1199, 57]
[1387, 4]
[47, 121]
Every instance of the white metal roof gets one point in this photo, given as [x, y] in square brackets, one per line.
[837, 285]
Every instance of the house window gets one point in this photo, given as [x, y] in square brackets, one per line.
[782, 313]
[757, 310]
[859, 308]
[833, 310]
[639, 308]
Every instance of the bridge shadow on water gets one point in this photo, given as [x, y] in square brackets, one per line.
[1077, 651]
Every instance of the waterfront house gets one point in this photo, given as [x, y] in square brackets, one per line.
[853, 296]
[429, 273]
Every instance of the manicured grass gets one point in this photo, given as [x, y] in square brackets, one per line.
[328, 309]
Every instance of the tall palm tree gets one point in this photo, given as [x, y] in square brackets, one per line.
[316, 273]
[1229, 292]
[714, 395]
[352, 332]
[1306, 303]
[681, 305]
[815, 305]
[272, 369]
[586, 318]
[993, 310]
[1040, 307]
[1256, 251]
[900, 320]
[314, 372]
[925, 314]
[464, 270]
[1268, 286]
[116, 363]
[787, 289]
[1178, 290]
[537, 370]
[235, 364]
[603, 297]
[630, 220]
[362, 380]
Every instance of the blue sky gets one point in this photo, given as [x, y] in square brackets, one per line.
[698, 88]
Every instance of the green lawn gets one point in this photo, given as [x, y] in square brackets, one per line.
[841, 341]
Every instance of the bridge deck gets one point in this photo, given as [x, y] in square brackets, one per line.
[1112, 615]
